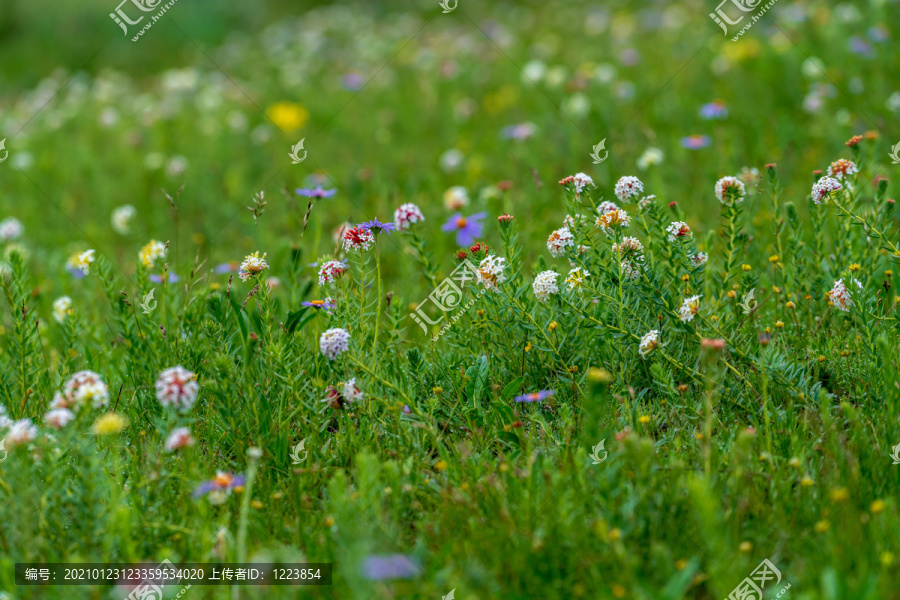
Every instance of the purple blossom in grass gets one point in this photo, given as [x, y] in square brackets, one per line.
[173, 278]
[221, 482]
[317, 304]
[229, 267]
[534, 396]
[406, 409]
[376, 227]
[714, 110]
[352, 81]
[390, 566]
[466, 228]
[695, 142]
[318, 192]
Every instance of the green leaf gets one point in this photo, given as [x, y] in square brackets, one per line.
[513, 388]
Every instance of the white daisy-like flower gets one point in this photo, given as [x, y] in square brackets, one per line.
[689, 308]
[545, 286]
[58, 417]
[650, 158]
[560, 240]
[349, 391]
[456, 198]
[81, 262]
[121, 218]
[490, 272]
[330, 271]
[179, 438]
[649, 342]
[408, 214]
[678, 229]
[20, 432]
[576, 277]
[151, 253]
[10, 229]
[85, 387]
[730, 190]
[824, 188]
[334, 342]
[62, 308]
[177, 387]
[253, 265]
[628, 187]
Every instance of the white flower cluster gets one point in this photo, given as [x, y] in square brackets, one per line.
[408, 214]
[824, 188]
[490, 272]
[349, 391]
[560, 240]
[582, 181]
[628, 187]
[330, 271]
[730, 190]
[334, 342]
[253, 264]
[84, 387]
[840, 295]
[545, 285]
[677, 230]
[177, 387]
[10, 229]
[61, 308]
[649, 342]
[689, 308]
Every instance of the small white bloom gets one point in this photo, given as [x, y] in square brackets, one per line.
[545, 286]
[10, 229]
[560, 240]
[334, 342]
[650, 158]
[576, 278]
[58, 417]
[121, 219]
[628, 187]
[179, 438]
[730, 190]
[20, 432]
[349, 391]
[177, 387]
[85, 387]
[649, 342]
[62, 307]
[824, 188]
[490, 272]
[456, 198]
[689, 308]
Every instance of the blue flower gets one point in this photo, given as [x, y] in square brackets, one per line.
[376, 227]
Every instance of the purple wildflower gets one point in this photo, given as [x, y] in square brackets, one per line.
[317, 304]
[695, 142]
[390, 566]
[714, 110]
[352, 81]
[229, 267]
[376, 227]
[534, 396]
[467, 228]
[318, 192]
[173, 278]
[222, 481]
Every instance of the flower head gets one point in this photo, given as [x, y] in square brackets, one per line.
[223, 482]
[80, 263]
[606, 206]
[121, 218]
[466, 228]
[628, 187]
[649, 343]
[179, 438]
[456, 198]
[678, 229]
[330, 271]
[288, 116]
[357, 238]
[560, 240]
[842, 168]
[730, 190]
[84, 387]
[177, 387]
[317, 192]
[612, 220]
[840, 295]
[695, 142]
[62, 308]
[253, 265]
[630, 246]
[151, 253]
[699, 259]
[645, 203]
[689, 308]
[375, 227]
[545, 286]
[334, 342]
[349, 391]
[631, 267]
[327, 304]
[20, 432]
[490, 272]
[650, 157]
[824, 188]
[10, 229]
[579, 181]
[535, 396]
[58, 417]
[576, 277]
[109, 424]
[714, 110]
[408, 214]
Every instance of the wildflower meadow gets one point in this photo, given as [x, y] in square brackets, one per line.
[449, 299]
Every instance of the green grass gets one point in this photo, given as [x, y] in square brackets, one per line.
[771, 447]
